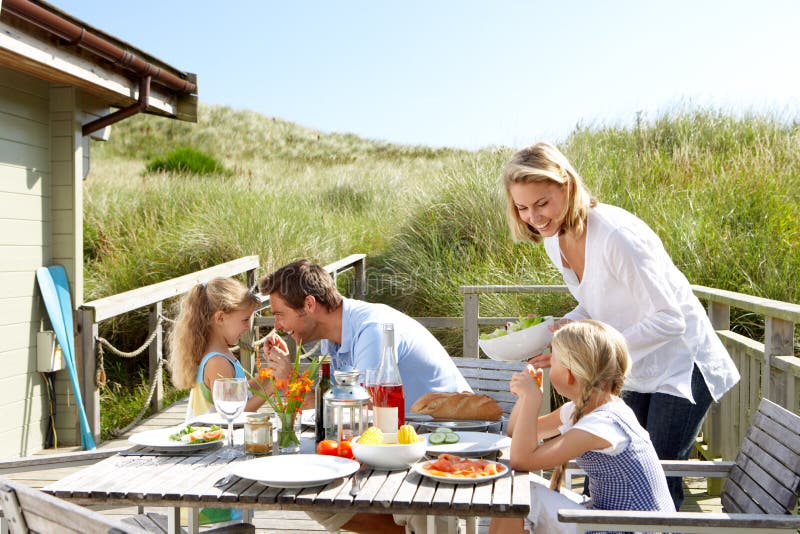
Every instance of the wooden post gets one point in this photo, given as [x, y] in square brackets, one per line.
[471, 313]
[360, 279]
[156, 352]
[720, 316]
[251, 279]
[87, 333]
[778, 341]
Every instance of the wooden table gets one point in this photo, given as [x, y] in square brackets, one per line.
[143, 477]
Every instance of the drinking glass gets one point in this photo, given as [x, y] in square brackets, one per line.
[230, 397]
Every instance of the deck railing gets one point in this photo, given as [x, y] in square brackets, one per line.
[90, 314]
[769, 369]
[723, 429]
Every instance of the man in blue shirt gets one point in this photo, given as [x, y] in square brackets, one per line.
[307, 306]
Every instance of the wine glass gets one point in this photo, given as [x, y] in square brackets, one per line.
[230, 397]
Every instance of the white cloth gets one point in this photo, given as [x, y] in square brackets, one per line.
[545, 504]
[630, 283]
[424, 364]
[599, 424]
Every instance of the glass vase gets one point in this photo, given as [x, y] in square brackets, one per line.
[288, 438]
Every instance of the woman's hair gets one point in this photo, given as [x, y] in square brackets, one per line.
[597, 356]
[192, 330]
[295, 281]
[543, 162]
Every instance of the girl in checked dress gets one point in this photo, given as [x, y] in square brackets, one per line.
[596, 428]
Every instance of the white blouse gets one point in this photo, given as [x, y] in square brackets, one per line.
[630, 283]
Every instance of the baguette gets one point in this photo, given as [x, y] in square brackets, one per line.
[458, 406]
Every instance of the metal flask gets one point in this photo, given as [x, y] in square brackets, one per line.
[346, 406]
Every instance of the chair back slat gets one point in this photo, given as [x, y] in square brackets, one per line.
[44, 513]
[766, 477]
[490, 377]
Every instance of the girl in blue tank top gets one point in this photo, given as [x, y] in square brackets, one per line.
[589, 364]
[213, 316]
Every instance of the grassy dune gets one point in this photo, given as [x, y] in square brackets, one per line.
[722, 192]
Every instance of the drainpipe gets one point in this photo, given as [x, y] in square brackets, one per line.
[123, 113]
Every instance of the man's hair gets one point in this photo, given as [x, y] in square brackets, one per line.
[295, 281]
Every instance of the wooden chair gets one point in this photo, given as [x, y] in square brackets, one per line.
[760, 493]
[490, 377]
[29, 510]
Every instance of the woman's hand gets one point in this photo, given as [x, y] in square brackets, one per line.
[540, 361]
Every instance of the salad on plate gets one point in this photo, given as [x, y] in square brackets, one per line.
[198, 434]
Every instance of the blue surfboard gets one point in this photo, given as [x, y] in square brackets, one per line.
[55, 292]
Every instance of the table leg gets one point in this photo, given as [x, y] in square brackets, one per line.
[472, 524]
[247, 515]
[194, 521]
[431, 526]
[173, 520]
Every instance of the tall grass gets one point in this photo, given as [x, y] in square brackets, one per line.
[722, 192]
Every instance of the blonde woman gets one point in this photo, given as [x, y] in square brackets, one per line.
[213, 316]
[617, 269]
[588, 366]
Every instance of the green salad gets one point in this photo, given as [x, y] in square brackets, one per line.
[521, 324]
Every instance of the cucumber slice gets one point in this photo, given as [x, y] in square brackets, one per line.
[444, 430]
[452, 437]
[437, 438]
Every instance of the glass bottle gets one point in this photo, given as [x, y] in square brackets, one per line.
[389, 401]
[323, 385]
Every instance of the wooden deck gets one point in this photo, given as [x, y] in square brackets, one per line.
[37, 476]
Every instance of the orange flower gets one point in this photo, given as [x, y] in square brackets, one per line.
[264, 373]
[286, 395]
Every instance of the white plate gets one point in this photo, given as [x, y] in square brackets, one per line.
[470, 444]
[418, 467]
[295, 470]
[307, 416]
[459, 426]
[214, 418]
[159, 439]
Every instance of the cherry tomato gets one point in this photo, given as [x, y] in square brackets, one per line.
[328, 446]
[345, 450]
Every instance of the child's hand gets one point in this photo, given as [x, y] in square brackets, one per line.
[276, 355]
[523, 384]
[274, 341]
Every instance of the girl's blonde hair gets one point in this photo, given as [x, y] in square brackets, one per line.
[543, 162]
[597, 356]
[192, 330]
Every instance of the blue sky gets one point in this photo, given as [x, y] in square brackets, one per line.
[466, 73]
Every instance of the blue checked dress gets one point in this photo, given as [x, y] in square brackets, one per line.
[632, 479]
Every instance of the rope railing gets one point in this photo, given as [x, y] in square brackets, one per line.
[101, 379]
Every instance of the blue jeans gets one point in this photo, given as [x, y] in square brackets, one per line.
[673, 423]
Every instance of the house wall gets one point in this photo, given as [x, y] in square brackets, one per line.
[25, 245]
[43, 160]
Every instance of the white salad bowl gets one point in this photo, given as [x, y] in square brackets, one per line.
[520, 345]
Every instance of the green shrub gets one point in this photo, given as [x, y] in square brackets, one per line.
[186, 160]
